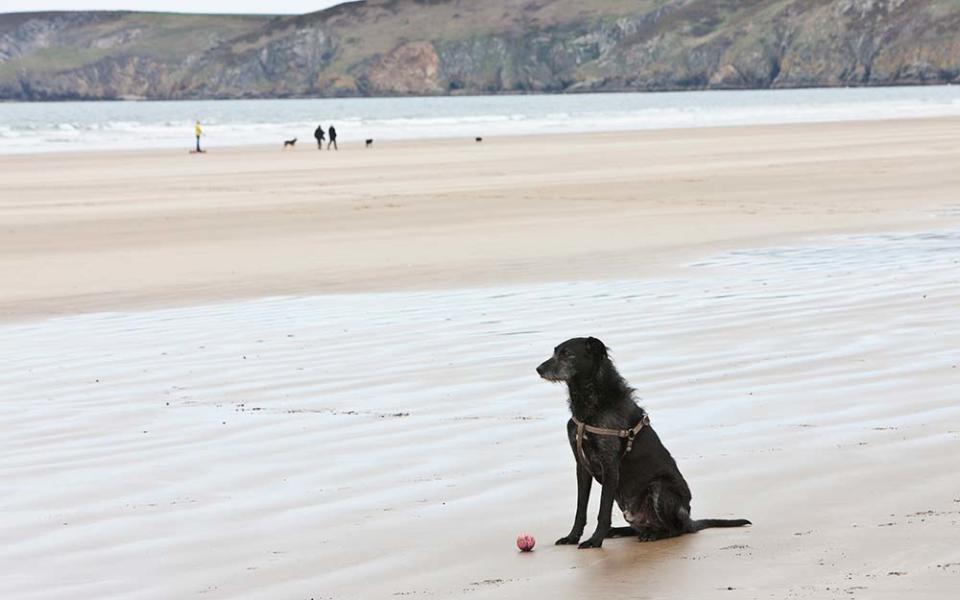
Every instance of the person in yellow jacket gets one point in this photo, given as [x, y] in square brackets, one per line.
[199, 131]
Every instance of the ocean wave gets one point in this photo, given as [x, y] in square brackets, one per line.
[100, 125]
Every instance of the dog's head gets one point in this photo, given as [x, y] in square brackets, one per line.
[577, 357]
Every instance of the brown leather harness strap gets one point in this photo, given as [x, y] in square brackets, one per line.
[628, 434]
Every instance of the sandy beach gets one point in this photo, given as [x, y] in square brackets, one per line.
[262, 374]
[99, 231]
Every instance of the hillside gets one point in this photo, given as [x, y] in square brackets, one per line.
[107, 54]
[398, 47]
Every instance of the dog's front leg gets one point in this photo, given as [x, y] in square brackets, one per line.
[611, 480]
[584, 483]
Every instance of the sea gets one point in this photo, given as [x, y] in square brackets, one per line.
[85, 126]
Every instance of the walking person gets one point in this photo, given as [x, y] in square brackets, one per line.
[320, 135]
[199, 132]
[333, 138]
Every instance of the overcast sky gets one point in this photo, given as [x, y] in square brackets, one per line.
[201, 6]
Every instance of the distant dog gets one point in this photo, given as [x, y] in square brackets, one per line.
[479, 139]
[369, 143]
[290, 143]
[613, 443]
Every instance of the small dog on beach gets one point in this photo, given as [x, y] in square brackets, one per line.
[479, 139]
[369, 143]
[290, 143]
[612, 441]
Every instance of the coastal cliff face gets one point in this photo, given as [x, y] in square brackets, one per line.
[106, 55]
[428, 47]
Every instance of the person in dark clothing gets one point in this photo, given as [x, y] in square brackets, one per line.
[320, 135]
[333, 139]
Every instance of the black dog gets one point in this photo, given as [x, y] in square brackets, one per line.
[479, 139]
[613, 443]
[369, 143]
[290, 143]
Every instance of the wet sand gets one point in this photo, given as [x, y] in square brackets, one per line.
[383, 445]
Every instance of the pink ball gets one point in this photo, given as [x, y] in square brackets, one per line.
[526, 542]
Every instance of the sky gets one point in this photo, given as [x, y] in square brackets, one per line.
[196, 6]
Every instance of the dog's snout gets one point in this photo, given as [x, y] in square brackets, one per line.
[544, 369]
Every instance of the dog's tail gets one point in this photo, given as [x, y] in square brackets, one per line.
[709, 523]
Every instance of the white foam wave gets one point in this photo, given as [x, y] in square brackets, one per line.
[104, 125]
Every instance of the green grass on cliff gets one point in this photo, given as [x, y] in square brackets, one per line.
[164, 36]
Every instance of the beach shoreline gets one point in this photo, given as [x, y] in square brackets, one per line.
[82, 127]
[305, 144]
[262, 374]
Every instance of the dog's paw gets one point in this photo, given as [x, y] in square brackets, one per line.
[567, 540]
[591, 543]
[647, 535]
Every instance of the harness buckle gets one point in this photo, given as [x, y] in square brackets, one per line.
[631, 435]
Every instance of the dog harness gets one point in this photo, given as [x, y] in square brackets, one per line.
[627, 434]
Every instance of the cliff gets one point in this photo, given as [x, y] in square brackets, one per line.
[401, 47]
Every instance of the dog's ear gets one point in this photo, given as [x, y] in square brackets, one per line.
[596, 348]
